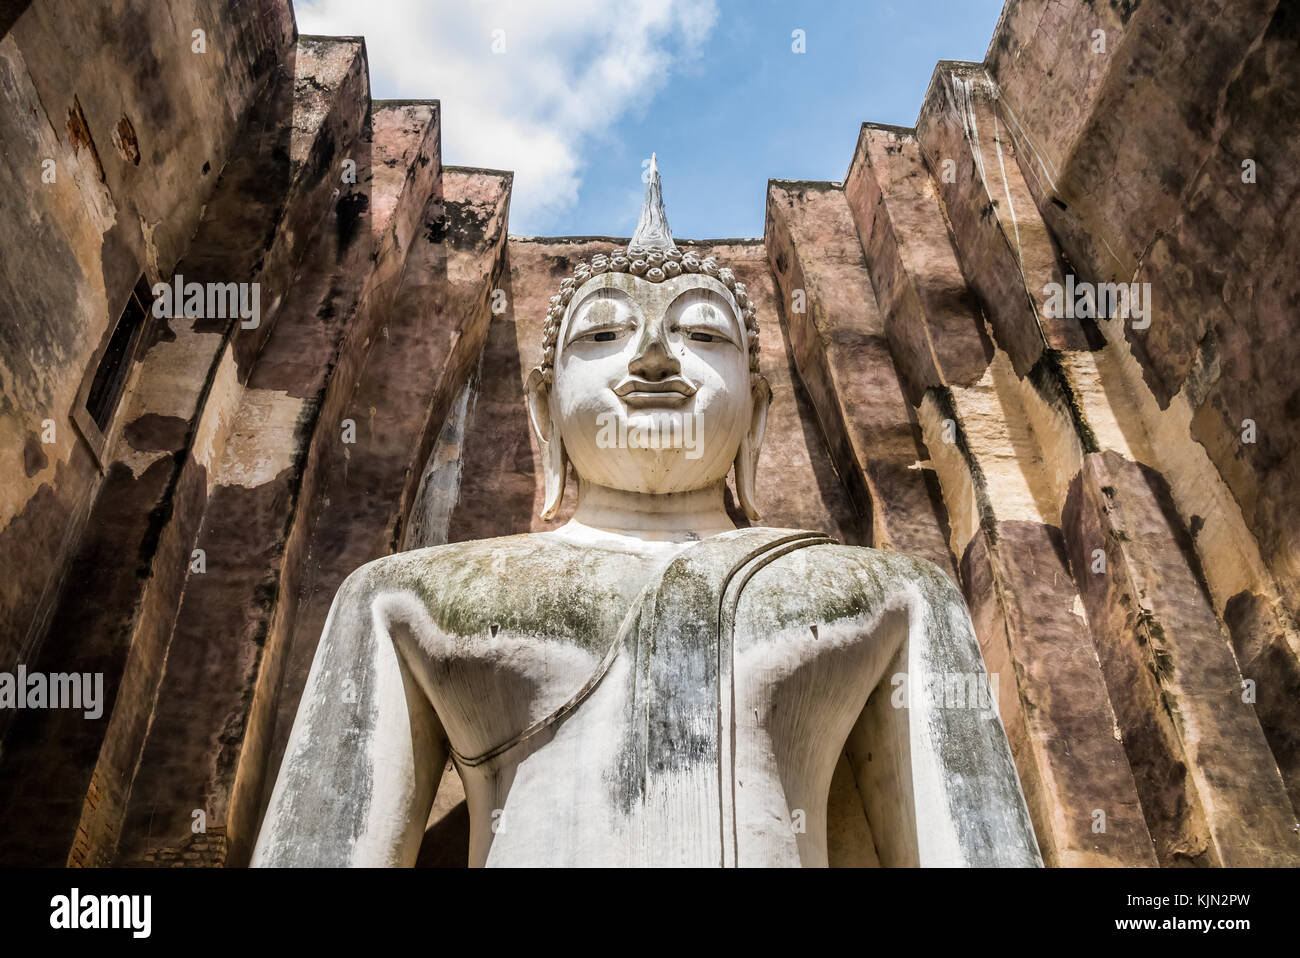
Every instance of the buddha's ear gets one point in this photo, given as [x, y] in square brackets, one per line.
[747, 457]
[555, 464]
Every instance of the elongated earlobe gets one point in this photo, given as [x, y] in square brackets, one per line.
[555, 464]
[746, 464]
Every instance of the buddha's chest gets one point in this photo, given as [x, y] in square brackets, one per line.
[676, 743]
[682, 712]
[675, 687]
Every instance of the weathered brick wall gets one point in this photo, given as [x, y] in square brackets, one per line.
[1111, 549]
[84, 218]
[203, 850]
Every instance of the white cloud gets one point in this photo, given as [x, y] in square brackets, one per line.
[570, 69]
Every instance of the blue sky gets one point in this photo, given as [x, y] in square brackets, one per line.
[573, 95]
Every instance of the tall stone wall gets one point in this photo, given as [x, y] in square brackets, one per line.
[1109, 491]
[115, 131]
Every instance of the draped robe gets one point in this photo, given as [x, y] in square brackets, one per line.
[680, 711]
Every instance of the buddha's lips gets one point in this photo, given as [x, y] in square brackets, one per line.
[640, 392]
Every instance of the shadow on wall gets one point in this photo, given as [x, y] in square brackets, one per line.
[10, 11]
[499, 477]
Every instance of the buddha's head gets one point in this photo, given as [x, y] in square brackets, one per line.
[649, 381]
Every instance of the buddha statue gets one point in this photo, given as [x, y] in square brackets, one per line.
[648, 684]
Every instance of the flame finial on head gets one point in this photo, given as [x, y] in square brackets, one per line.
[652, 228]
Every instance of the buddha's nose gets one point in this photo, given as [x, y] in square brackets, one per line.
[653, 360]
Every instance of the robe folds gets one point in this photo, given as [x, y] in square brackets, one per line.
[937, 782]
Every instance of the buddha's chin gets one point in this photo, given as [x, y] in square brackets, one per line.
[654, 472]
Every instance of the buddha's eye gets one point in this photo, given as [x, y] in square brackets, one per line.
[703, 337]
[605, 337]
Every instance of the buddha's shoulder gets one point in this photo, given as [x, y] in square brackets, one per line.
[530, 558]
[536, 584]
[854, 576]
[864, 560]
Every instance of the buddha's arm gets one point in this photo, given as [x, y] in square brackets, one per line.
[942, 788]
[366, 751]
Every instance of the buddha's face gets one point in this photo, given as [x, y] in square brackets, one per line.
[652, 390]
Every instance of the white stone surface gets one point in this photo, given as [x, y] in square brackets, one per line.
[600, 705]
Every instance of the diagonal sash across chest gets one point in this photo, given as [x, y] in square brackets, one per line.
[678, 752]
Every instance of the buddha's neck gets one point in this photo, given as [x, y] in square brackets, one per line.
[673, 517]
